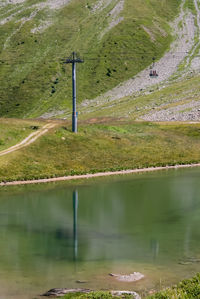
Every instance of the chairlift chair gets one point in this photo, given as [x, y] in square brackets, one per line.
[153, 73]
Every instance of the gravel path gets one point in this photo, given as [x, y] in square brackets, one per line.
[28, 140]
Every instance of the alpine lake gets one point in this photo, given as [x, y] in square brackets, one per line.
[75, 234]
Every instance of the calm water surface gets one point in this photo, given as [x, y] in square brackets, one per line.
[53, 235]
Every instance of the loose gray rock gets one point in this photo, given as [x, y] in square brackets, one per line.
[135, 276]
[121, 293]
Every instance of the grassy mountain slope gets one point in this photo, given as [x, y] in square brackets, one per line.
[174, 96]
[117, 39]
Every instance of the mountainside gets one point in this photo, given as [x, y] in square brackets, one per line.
[116, 38]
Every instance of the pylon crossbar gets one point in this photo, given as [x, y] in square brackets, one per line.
[77, 60]
[73, 59]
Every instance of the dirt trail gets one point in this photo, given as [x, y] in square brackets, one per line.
[28, 140]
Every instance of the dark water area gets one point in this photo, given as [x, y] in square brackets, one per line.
[54, 235]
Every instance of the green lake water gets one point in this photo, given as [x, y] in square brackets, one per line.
[53, 235]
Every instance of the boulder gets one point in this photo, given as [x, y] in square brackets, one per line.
[121, 293]
[60, 292]
[135, 276]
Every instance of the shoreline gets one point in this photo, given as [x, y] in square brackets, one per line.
[98, 174]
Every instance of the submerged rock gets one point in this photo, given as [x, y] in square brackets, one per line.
[185, 263]
[81, 281]
[135, 276]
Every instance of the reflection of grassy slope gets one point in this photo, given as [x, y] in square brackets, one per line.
[40, 224]
[26, 88]
[47, 219]
[103, 147]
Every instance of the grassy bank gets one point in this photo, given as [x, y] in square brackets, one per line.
[95, 295]
[114, 145]
[186, 289]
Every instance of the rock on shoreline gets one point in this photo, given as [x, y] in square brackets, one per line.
[63, 291]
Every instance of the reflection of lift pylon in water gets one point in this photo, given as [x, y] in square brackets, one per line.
[75, 235]
[155, 248]
[153, 73]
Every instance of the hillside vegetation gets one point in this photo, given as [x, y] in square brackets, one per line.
[112, 145]
[186, 289]
[177, 101]
[13, 131]
[117, 39]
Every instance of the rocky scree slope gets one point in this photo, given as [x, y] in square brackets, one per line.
[174, 94]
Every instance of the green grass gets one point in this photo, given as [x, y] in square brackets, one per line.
[33, 79]
[101, 147]
[187, 289]
[95, 295]
[190, 5]
[12, 131]
[134, 107]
